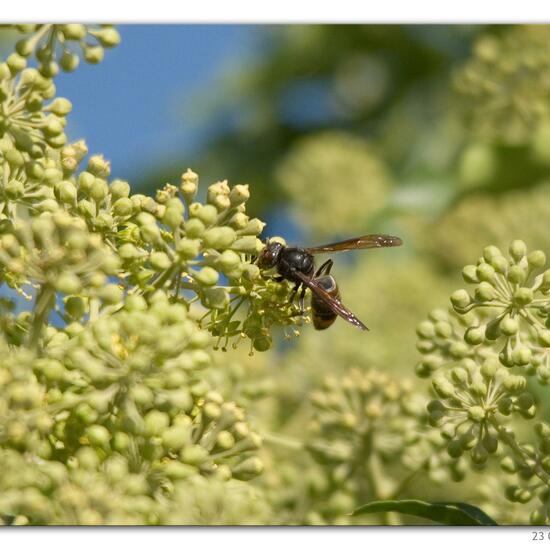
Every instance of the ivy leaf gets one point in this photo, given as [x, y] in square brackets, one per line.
[446, 513]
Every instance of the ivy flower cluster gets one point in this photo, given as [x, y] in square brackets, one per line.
[107, 405]
[61, 46]
[481, 355]
[369, 437]
[504, 85]
[335, 161]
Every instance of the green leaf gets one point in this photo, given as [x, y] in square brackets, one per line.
[447, 513]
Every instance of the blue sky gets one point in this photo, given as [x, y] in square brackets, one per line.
[131, 106]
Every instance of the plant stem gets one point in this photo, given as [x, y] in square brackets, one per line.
[43, 305]
[284, 441]
[509, 440]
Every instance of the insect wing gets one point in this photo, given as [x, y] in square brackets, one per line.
[334, 305]
[366, 241]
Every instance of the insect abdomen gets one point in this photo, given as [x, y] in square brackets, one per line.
[321, 314]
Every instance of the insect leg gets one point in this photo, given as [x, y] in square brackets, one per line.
[294, 291]
[302, 296]
[325, 268]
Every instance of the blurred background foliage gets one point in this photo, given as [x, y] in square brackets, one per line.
[438, 134]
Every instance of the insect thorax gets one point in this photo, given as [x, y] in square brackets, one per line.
[295, 259]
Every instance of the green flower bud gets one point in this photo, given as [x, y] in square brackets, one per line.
[206, 213]
[537, 518]
[490, 252]
[176, 437]
[536, 259]
[543, 373]
[476, 413]
[474, 335]
[545, 283]
[262, 343]
[24, 47]
[459, 376]
[488, 369]
[435, 417]
[523, 296]
[74, 31]
[53, 126]
[188, 248]
[75, 306]
[60, 106]
[99, 167]
[14, 189]
[454, 448]
[56, 141]
[517, 274]
[228, 260]
[219, 237]
[123, 207]
[500, 264]
[156, 422]
[194, 228]
[492, 330]
[65, 191]
[514, 383]
[479, 454]
[111, 294]
[99, 190]
[543, 337]
[160, 260]
[517, 250]
[68, 283]
[469, 274]
[207, 276]
[239, 195]
[189, 185]
[200, 360]
[525, 401]
[485, 272]
[460, 299]
[485, 292]
[34, 169]
[16, 63]
[85, 182]
[425, 330]
[508, 465]
[251, 272]
[172, 217]
[225, 440]
[98, 435]
[194, 455]
[216, 298]
[14, 158]
[49, 69]
[522, 355]
[94, 54]
[221, 202]
[509, 325]
[103, 221]
[220, 188]
[249, 244]
[129, 252]
[478, 388]
[108, 37]
[248, 468]
[443, 387]
[490, 442]
[150, 233]
[69, 61]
